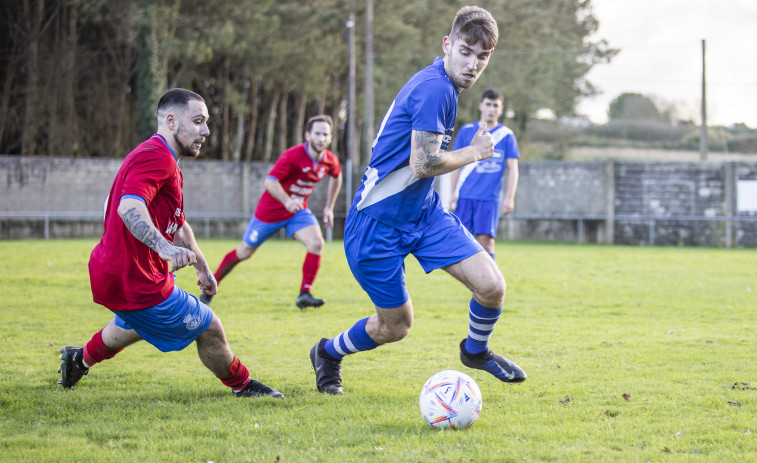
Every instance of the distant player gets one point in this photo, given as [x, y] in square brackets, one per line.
[397, 212]
[284, 204]
[144, 231]
[476, 196]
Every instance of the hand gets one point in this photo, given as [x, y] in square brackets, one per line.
[178, 257]
[483, 142]
[293, 205]
[206, 281]
[328, 217]
[508, 206]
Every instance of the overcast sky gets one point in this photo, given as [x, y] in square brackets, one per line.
[660, 44]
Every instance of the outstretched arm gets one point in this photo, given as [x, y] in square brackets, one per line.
[137, 219]
[508, 205]
[335, 184]
[427, 160]
[185, 238]
[454, 177]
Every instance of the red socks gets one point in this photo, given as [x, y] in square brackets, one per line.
[239, 376]
[96, 351]
[310, 270]
[227, 264]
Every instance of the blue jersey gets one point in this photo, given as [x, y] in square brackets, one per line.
[389, 191]
[483, 180]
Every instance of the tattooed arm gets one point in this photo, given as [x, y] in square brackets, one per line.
[137, 219]
[426, 159]
[185, 238]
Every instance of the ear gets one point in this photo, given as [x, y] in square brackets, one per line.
[171, 121]
[446, 44]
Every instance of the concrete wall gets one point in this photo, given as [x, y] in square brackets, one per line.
[608, 202]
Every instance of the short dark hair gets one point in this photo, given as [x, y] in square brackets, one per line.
[474, 24]
[320, 118]
[492, 94]
[177, 97]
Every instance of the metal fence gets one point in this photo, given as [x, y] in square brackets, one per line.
[205, 220]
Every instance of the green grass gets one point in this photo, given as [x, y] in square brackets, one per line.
[672, 327]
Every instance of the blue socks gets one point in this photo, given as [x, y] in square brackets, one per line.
[481, 324]
[353, 340]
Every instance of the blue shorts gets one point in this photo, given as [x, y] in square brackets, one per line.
[171, 325]
[376, 252]
[480, 217]
[258, 232]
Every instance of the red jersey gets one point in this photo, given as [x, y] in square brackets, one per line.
[124, 273]
[298, 173]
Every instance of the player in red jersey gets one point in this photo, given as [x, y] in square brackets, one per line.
[144, 230]
[284, 204]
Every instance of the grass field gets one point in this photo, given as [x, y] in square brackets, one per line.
[633, 354]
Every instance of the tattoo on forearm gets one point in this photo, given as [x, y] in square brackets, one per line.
[143, 231]
[428, 158]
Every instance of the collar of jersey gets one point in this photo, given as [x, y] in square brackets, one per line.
[315, 161]
[160, 137]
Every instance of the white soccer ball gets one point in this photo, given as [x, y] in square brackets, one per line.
[450, 399]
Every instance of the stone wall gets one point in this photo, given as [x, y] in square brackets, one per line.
[670, 203]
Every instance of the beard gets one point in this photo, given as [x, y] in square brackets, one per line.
[185, 150]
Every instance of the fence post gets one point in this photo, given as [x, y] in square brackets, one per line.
[610, 202]
[730, 202]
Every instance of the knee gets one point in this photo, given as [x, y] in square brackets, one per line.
[214, 332]
[315, 246]
[244, 252]
[492, 294]
[397, 333]
[394, 332]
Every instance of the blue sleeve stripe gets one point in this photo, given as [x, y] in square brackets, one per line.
[135, 197]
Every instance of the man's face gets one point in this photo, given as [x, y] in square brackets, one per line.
[319, 137]
[491, 110]
[463, 62]
[191, 129]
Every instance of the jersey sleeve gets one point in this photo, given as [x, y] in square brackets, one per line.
[511, 147]
[429, 103]
[147, 175]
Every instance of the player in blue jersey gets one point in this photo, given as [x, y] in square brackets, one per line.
[397, 212]
[476, 196]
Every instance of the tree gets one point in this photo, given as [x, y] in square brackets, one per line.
[634, 106]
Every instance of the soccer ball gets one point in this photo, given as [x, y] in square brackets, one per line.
[450, 399]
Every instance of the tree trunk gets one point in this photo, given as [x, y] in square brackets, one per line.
[236, 154]
[68, 104]
[33, 23]
[226, 115]
[254, 104]
[148, 72]
[281, 140]
[10, 74]
[299, 127]
[271, 125]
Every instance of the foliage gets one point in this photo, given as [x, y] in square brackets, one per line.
[79, 75]
[633, 354]
[634, 106]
